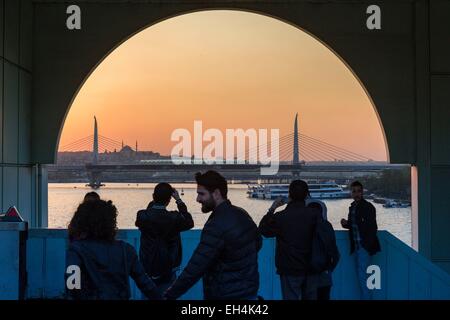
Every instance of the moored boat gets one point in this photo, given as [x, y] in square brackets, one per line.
[325, 190]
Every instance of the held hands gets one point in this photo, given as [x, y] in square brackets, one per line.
[166, 295]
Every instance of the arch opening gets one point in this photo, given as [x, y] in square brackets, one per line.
[239, 10]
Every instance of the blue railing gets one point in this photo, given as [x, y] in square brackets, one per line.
[405, 274]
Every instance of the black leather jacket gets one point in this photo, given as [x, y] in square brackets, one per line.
[105, 270]
[226, 257]
[366, 220]
[293, 228]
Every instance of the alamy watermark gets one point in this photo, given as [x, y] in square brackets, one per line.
[374, 279]
[235, 146]
[73, 281]
[73, 20]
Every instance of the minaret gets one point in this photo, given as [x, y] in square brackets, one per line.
[95, 147]
[295, 157]
[136, 147]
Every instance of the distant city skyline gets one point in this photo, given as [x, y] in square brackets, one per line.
[229, 69]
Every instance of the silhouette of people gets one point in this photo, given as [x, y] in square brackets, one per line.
[293, 229]
[227, 255]
[362, 226]
[160, 251]
[105, 263]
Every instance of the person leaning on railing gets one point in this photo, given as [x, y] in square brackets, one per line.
[293, 228]
[362, 226]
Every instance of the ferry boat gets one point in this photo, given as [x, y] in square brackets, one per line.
[325, 190]
[396, 204]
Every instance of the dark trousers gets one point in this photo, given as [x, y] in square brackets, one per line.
[299, 287]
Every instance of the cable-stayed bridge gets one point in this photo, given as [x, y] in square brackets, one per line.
[299, 155]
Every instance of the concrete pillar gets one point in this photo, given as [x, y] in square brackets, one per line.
[17, 187]
[433, 132]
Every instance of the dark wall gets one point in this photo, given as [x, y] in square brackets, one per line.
[440, 131]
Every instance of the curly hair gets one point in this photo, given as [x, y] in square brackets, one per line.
[94, 220]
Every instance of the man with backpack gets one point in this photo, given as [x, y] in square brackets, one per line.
[325, 254]
[160, 251]
[294, 229]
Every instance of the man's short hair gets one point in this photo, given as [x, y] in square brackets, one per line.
[212, 180]
[298, 190]
[162, 193]
[356, 184]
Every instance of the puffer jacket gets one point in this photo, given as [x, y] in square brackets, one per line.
[226, 257]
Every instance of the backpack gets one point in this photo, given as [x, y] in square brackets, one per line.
[324, 254]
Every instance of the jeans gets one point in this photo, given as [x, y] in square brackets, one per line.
[299, 287]
[362, 260]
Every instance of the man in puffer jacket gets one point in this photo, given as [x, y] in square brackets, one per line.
[227, 255]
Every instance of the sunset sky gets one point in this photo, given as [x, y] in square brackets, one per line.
[229, 69]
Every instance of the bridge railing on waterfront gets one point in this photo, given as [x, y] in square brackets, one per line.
[405, 274]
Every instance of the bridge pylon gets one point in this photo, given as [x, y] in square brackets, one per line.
[94, 176]
[296, 150]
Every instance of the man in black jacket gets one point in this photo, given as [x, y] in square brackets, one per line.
[293, 228]
[227, 255]
[160, 250]
[362, 225]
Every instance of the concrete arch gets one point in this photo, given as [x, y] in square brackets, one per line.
[364, 57]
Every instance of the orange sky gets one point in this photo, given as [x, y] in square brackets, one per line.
[229, 69]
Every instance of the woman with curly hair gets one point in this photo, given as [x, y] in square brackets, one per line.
[73, 231]
[105, 263]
